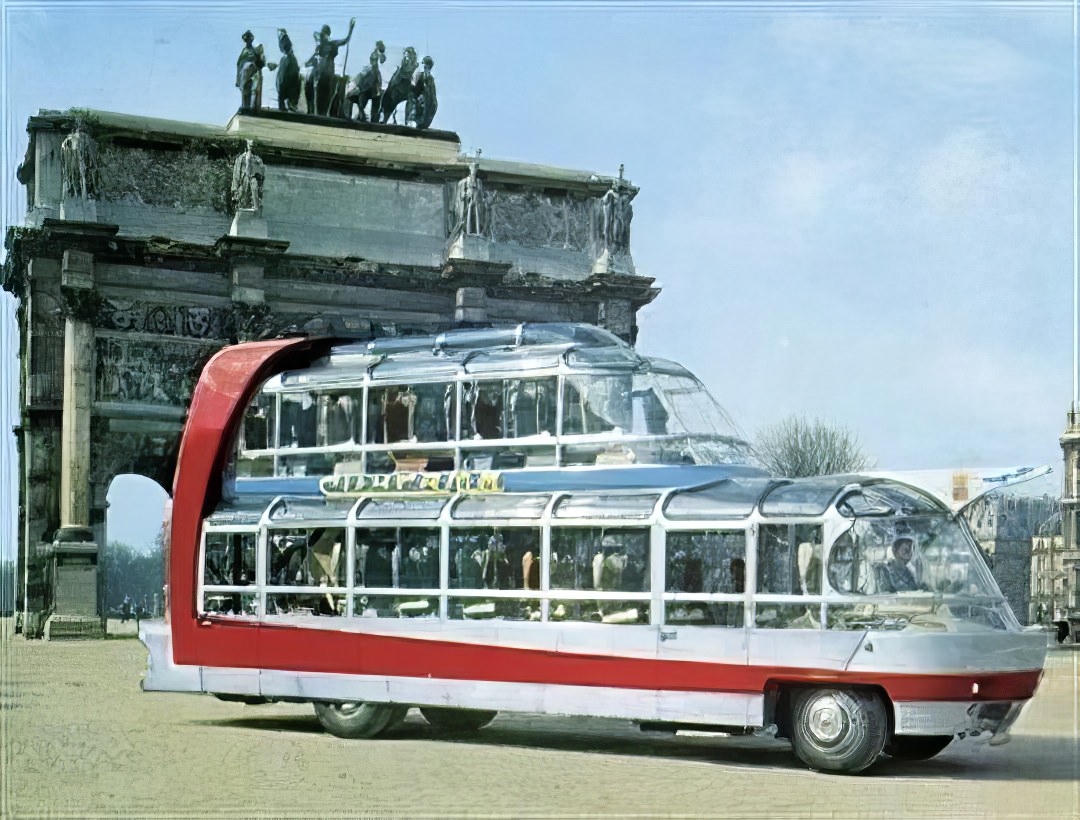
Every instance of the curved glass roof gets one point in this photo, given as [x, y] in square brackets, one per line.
[730, 498]
[737, 498]
[471, 350]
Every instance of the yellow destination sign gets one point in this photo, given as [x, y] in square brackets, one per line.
[455, 481]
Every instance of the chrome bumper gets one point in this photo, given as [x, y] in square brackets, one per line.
[989, 719]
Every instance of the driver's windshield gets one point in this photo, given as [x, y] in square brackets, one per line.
[926, 553]
[918, 570]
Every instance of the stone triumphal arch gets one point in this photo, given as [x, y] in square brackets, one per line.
[149, 244]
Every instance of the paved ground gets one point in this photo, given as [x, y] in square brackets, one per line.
[80, 738]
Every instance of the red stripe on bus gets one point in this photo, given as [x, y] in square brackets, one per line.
[302, 650]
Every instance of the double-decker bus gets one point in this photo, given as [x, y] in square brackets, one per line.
[539, 519]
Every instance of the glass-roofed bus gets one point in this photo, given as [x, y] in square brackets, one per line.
[540, 519]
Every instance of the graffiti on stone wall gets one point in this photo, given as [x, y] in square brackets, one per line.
[535, 220]
[189, 178]
[148, 372]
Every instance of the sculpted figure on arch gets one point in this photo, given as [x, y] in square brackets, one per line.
[321, 89]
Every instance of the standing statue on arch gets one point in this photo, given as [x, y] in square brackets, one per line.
[79, 164]
[288, 74]
[248, 177]
[249, 66]
[422, 102]
[472, 203]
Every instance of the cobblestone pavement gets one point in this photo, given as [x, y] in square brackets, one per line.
[80, 738]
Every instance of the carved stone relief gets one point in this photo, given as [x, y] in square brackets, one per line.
[535, 220]
[252, 322]
[189, 178]
[147, 372]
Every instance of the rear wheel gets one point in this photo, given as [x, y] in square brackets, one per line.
[915, 747]
[357, 719]
[838, 730]
[397, 717]
[457, 720]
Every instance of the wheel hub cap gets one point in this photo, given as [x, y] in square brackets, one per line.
[826, 720]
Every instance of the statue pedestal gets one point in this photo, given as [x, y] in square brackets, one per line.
[247, 222]
[78, 210]
[468, 246]
[617, 262]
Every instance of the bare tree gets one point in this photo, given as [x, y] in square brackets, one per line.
[796, 447]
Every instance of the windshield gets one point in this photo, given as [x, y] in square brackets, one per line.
[661, 418]
[918, 570]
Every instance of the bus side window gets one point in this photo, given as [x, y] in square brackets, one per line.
[338, 417]
[499, 558]
[532, 405]
[230, 559]
[259, 423]
[608, 560]
[483, 413]
[706, 562]
[306, 557]
[299, 419]
[789, 559]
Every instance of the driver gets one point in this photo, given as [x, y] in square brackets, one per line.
[896, 574]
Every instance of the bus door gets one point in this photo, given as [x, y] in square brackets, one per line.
[704, 595]
[788, 629]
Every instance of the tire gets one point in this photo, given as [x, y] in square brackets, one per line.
[446, 719]
[397, 717]
[354, 720]
[916, 747]
[838, 730]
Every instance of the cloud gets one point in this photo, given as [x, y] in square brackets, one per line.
[967, 168]
[943, 60]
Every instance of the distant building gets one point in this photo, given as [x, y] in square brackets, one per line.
[1055, 575]
[1004, 526]
[1063, 568]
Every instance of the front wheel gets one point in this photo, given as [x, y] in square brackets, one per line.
[838, 730]
[915, 747]
[357, 719]
[457, 720]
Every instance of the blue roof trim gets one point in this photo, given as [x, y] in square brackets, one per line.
[303, 485]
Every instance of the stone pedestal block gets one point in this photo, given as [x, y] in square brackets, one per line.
[78, 210]
[467, 246]
[248, 223]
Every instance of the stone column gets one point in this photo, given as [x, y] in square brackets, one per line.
[78, 275]
[46, 194]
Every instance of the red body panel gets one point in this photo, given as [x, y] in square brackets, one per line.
[225, 388]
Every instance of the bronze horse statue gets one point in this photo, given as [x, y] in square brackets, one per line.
[397, 90]
[367, 87]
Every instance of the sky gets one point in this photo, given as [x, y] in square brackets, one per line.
[861, 212]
